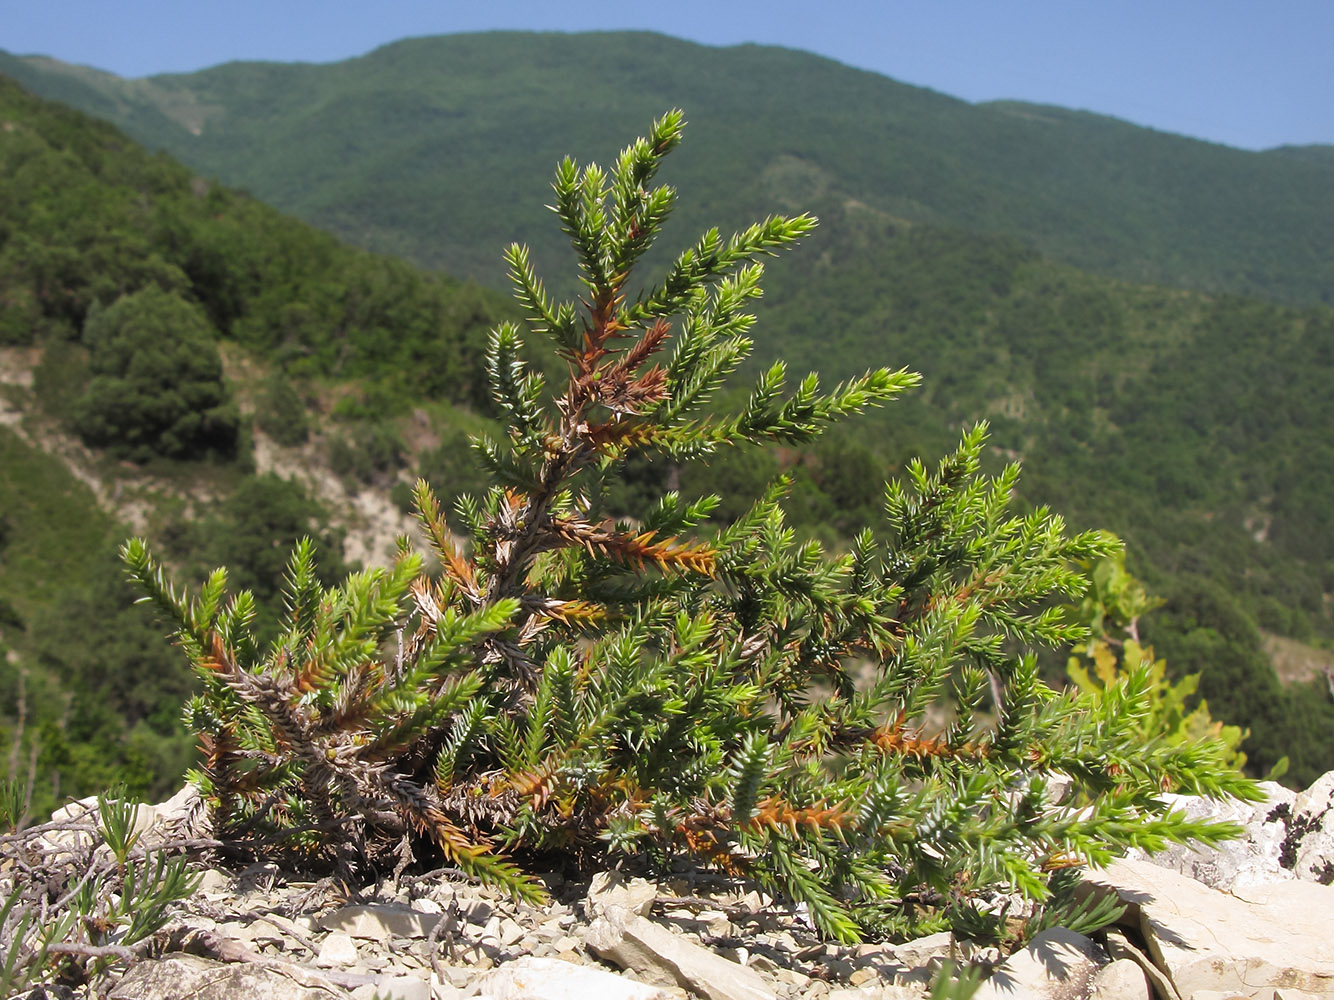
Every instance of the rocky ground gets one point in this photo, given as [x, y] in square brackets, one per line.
[1252, 919]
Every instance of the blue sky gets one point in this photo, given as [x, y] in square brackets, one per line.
[1253, 74]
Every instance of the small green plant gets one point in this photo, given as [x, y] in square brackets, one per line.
[13, 804]
[1111, 610]
[563, 682]
[953, 982]
[89, 896]
[116, 822]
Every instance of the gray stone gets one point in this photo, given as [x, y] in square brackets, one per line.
[919, 951]
[459, 976]
[398, 988]
[1271, 935]
[1252, 858]
[337, 951]
[215, 885]
[182, 814]
[80, 811]
[610, 888]
[1119, 947]
[178, 976]
[1057, 964]
[510, 932]
[378, 921]
[552, 979]
[1120, 980]
[664, 958]
[478, 911]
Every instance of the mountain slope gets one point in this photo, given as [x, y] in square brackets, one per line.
[107, 255]
[427, 147]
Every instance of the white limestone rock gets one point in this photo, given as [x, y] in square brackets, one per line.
[1253, 858]
[919, 951]
[1119, 948]
[378, 921]
[1276, 936]
[394, 988]
[337, 951]
[1120, 980]
[1311, 832]
[664, 958]
[1056, 965]
[552, 979]
[610, 888]
[178, 976]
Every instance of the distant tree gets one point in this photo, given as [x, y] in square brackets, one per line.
[280, 412]
[157, 386]
[1203, 629]
[369, 453]
[253, 531]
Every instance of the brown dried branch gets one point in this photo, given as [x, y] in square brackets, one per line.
[894, 738]
[567, 612]
[460, 570]
[536, 785]
[127, 955]
[452, 918]
[628, 396]
[415, 805]
[603, 325]
[617, 435]
[776, 813]
[647, 346]
[635, 550]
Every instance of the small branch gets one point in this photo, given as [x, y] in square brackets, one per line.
[450, 917]
[93, 871]
[59, 826]
[702, 903]
[439, 873]
[290, 931]
[93, 950]
[209, 944]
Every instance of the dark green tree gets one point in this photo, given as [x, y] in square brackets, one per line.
[580, 683]
[254, 528]
[157, 387]
[281, 413]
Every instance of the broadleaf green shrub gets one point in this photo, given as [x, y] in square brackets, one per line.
[157, 387]
[564, 681]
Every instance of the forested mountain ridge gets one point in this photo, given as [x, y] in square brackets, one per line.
[165, 345]
[1317, 152]
[424, 148]
[89, 215]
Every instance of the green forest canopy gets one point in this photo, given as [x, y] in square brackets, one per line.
[430, 147]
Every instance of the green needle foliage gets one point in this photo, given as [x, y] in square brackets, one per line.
[863, 733]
